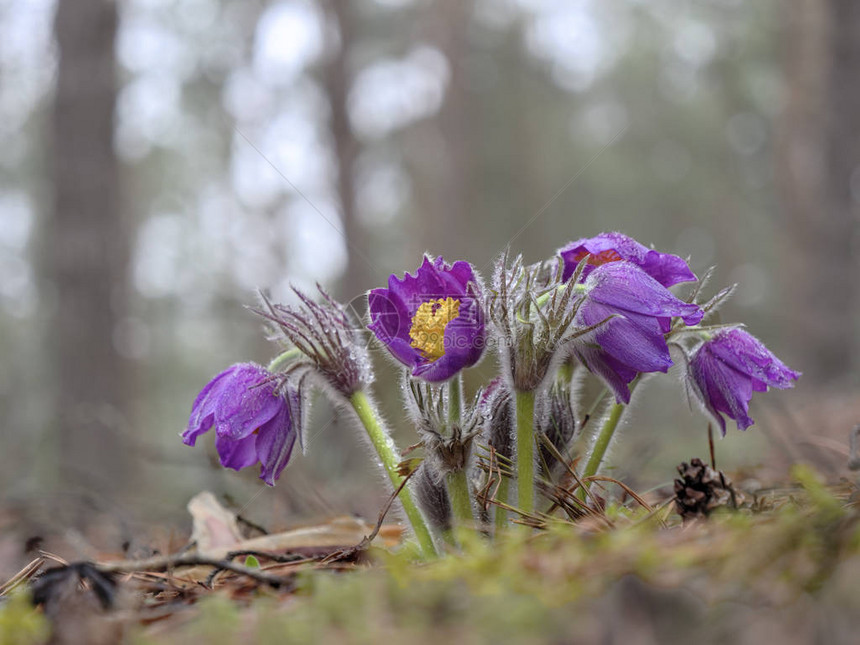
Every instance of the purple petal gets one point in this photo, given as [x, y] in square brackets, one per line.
[634, 340]
[405, 353]
[391, 324]
[203, 410]
[246, 401]
[615, 374]
[456, 277]
[723, 388]
[601, 248]
[388, 315]
[426, 284]
[223, 397]
[463, 348]
[627, 287]
[665, 268]
[275, 442]
[237, 453]
[748, 355]
[199, 425]
[701, 394]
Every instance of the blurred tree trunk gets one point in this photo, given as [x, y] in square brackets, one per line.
[441, 151]
[838, 291]
[819, 151]
[86, 252]
[337, 80]
[449, 225]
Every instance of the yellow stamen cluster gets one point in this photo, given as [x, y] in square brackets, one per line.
[428, 326]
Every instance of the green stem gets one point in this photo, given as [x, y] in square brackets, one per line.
[390, 458]
[598, 450]
[455, 399]
[457, 482]
[525, 450]
[280, 361]
[604, 438]
[565, 371]
[501, 513]
[461, 500]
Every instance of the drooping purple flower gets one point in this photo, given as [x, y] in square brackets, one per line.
[254, 420]
[633, 341]
[726, 369]
[665, 268]
[431, 322]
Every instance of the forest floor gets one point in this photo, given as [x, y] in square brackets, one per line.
[782, 563]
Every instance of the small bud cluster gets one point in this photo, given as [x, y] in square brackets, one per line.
[328, 340]
[447, 435]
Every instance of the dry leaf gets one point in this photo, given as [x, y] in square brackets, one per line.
[213, 525]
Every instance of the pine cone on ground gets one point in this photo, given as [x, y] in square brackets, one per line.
[701, 489]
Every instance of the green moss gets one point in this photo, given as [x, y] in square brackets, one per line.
[537, 588]
[20, 622]
[825, 503]
[218, 621]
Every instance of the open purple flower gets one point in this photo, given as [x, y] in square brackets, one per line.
[726, 369]
[431, 322]
[254, 421]
[665, 268]
[633, 341]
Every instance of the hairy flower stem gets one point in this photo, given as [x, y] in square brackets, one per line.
[457, 481]
[604, 438]
[281, 361]
[455, 398]
[598, 450]
[565, 372]
[525, 450]
[501, 513]
[461, 501]
[390, 457]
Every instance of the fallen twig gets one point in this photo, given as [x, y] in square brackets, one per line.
[168, 562]
[350, 552]
[31, 569]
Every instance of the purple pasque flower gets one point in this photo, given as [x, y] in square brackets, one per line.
[431, 322]
[728, 367]
[255, 420]
[632, 342]
[665, 268]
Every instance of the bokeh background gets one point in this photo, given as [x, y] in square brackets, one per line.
[162, 160]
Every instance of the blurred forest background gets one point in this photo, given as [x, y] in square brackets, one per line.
[161, 160]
